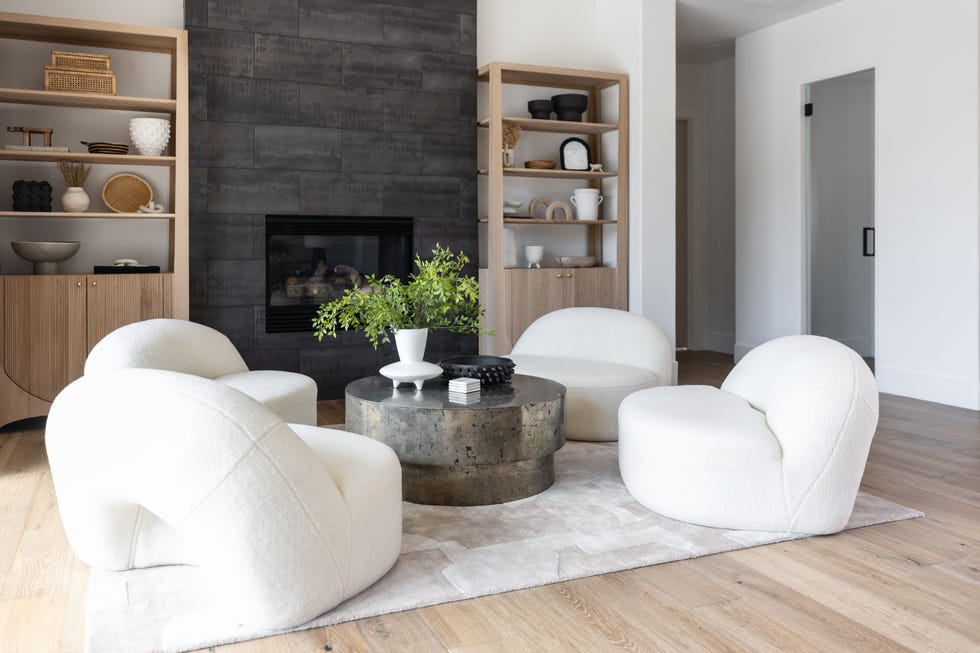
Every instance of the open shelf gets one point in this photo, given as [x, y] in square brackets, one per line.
[551, 174]
[531, 75]
[543, 221]
[86, 32]
[81, 216]
[84, 157]
[88, 100]
[555, 126]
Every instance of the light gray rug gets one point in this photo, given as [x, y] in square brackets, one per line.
[585, 524]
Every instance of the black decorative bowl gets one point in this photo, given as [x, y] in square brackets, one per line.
[489, 369]
[541, 109]
[570, 106]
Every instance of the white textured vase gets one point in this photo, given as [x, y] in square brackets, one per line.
[75, 200]
[149, 135]
[410, 367]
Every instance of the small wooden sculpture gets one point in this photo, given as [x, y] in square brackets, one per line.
[539, 201]
[30, 131]
[554, 207]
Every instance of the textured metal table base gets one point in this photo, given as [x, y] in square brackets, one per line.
[477, 485]
[497, 449]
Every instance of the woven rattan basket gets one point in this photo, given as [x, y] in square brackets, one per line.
[79, 60]
[79, 81]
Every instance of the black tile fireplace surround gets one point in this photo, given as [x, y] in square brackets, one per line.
[324, 107]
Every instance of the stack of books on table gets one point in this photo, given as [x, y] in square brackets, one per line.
[464, 390]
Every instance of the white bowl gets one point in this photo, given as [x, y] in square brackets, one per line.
[149, 135]
[45, 255]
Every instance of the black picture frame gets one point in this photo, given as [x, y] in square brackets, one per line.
[574, 142]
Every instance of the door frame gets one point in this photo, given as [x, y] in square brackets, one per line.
[697, 254]
[806, 209]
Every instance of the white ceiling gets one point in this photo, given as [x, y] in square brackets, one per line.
[706, 29]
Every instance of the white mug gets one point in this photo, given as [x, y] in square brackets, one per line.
[587, 201]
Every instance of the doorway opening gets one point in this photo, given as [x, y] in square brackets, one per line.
[839, 178]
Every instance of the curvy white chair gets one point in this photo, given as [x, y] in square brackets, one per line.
[191, 348]
[780, 447]
[159, 468]
[601, 355]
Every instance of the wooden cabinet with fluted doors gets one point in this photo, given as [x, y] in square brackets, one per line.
[535, 292]
[51, 322]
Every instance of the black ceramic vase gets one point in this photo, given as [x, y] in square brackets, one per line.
[570, 106]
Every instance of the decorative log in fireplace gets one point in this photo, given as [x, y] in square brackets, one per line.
[311, 260]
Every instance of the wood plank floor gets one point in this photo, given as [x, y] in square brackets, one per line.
[911, 585]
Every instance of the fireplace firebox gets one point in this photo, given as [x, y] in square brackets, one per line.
[311, 260]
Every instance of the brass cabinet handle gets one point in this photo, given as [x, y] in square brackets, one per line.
[94, 282]
[78, 283]
[559, 276]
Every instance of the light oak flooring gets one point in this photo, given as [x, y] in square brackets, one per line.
[911, 585]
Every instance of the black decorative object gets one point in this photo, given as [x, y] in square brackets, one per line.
[575, 154]
[570, 106]
[489, 369]
[34, 196]
[541, 109]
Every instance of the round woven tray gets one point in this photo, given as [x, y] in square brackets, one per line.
[126, 192]
[539, 164]
[489, 369]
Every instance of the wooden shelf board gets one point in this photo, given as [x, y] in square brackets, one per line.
[551, 174]
[108, 159]
[88, 32]
[87, 100]
[556, 222]
[555, 126]
[514, 73]
[83, 216]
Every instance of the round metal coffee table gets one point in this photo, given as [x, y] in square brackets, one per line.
[498, 449]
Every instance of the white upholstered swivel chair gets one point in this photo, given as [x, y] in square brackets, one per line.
[191, 348]
[780, 447]
[601, 355]
[159, 468]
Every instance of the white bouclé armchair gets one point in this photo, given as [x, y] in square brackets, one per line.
[191, 348]
[284, 521]
[780, 447]
[601, 356]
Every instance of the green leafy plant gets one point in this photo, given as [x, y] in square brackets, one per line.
[437, 296]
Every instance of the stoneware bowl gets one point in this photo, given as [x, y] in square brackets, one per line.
[576, 261]
[45, 255]
[149, 135]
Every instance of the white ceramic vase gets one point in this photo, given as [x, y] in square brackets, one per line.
[586, 201]
[410, 367]
[75, 200]
[149, 135]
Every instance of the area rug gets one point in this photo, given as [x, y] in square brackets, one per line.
[585, 524]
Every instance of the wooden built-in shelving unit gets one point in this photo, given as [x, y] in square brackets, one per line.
[514, 297]
[50, 322]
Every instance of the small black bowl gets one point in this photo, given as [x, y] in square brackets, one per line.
[541, 109]
[489, 369]
[570, 106]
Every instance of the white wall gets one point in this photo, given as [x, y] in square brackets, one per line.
[925, 55]
[706, 97]
[627, 36]
[150, 13]
[841, 205]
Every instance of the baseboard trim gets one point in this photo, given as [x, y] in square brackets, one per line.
[948, 390]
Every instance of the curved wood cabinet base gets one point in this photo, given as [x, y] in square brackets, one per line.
[16, 403]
